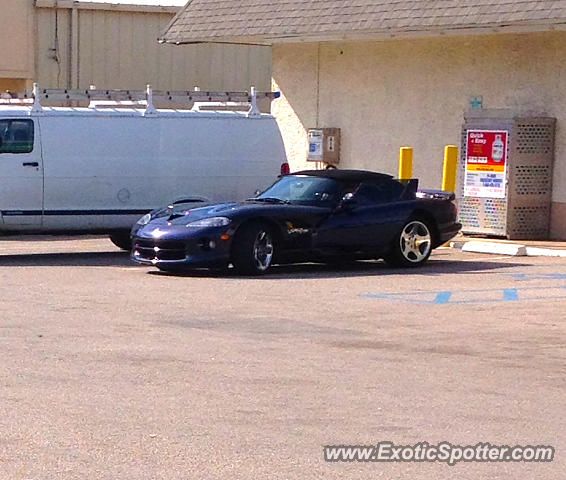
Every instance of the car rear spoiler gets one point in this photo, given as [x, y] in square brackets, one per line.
[411, 188]
[435, 194]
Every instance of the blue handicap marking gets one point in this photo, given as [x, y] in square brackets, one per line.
[442, 298]
[510, 295]
[472, 296]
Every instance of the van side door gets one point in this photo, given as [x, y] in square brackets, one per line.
[21, 173]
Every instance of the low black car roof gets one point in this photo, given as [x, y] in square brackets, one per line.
[346, 175]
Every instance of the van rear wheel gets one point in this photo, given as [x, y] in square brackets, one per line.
[122, 241]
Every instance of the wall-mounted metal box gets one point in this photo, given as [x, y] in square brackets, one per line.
[505, 174]
[324, 145]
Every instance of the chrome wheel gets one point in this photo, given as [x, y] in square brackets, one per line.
[263, 250]
[415, 242]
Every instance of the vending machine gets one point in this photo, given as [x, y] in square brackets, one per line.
[505, 174]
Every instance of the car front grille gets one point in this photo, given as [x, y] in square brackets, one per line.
[159, 249]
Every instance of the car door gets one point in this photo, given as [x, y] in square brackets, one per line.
[21, 173]
[379, 214]
[366, 224]
[338, 233]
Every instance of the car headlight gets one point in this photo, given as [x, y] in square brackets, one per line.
[210, 222]
[145, 219]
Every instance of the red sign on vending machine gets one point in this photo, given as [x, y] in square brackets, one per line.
[486, 163]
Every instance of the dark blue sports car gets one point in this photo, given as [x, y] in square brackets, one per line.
[313, 215]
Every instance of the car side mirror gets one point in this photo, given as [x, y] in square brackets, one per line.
[348, 201]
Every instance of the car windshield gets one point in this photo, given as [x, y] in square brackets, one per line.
[302, 189]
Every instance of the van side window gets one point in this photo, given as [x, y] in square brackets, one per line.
[16, 135]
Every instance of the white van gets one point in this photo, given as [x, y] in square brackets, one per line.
[97, 170]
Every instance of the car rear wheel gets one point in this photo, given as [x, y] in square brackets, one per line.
[412, 246]
[253, 249]
[122, 241]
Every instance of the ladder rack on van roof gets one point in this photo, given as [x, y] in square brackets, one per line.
[132, 98]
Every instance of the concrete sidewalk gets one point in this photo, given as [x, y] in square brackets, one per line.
[501, 246]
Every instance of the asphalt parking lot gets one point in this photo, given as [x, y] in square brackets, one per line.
[114, 371]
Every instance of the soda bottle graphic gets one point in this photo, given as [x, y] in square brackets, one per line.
[497, 152]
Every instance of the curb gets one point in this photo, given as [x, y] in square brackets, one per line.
[510, 249]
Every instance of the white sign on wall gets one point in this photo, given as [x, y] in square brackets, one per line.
[315, 145]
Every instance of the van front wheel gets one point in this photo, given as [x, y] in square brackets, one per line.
[122, 241]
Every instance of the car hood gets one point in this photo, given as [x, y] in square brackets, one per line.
[184, 214]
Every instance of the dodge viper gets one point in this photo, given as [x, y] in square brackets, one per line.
[312, 215]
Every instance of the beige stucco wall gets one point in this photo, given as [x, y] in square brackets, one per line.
[15, 84]
[386, 94]
[16, 35]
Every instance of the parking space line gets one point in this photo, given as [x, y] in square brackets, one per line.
[545, 276]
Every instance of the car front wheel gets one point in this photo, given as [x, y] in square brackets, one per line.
[412, 246]
[253, 249]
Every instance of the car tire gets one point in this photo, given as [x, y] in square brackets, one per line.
[253, 249]
[122, 241]
[412, 245]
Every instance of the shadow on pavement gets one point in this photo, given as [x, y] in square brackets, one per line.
[78, 259]
[353, 269]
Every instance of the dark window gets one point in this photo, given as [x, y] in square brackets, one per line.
[16, 136]
[303, 189]
[383, 192]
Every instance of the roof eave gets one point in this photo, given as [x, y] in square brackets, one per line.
[227, 40]
[372, 34]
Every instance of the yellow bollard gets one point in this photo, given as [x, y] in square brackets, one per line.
[450, 168]
[405, 163]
